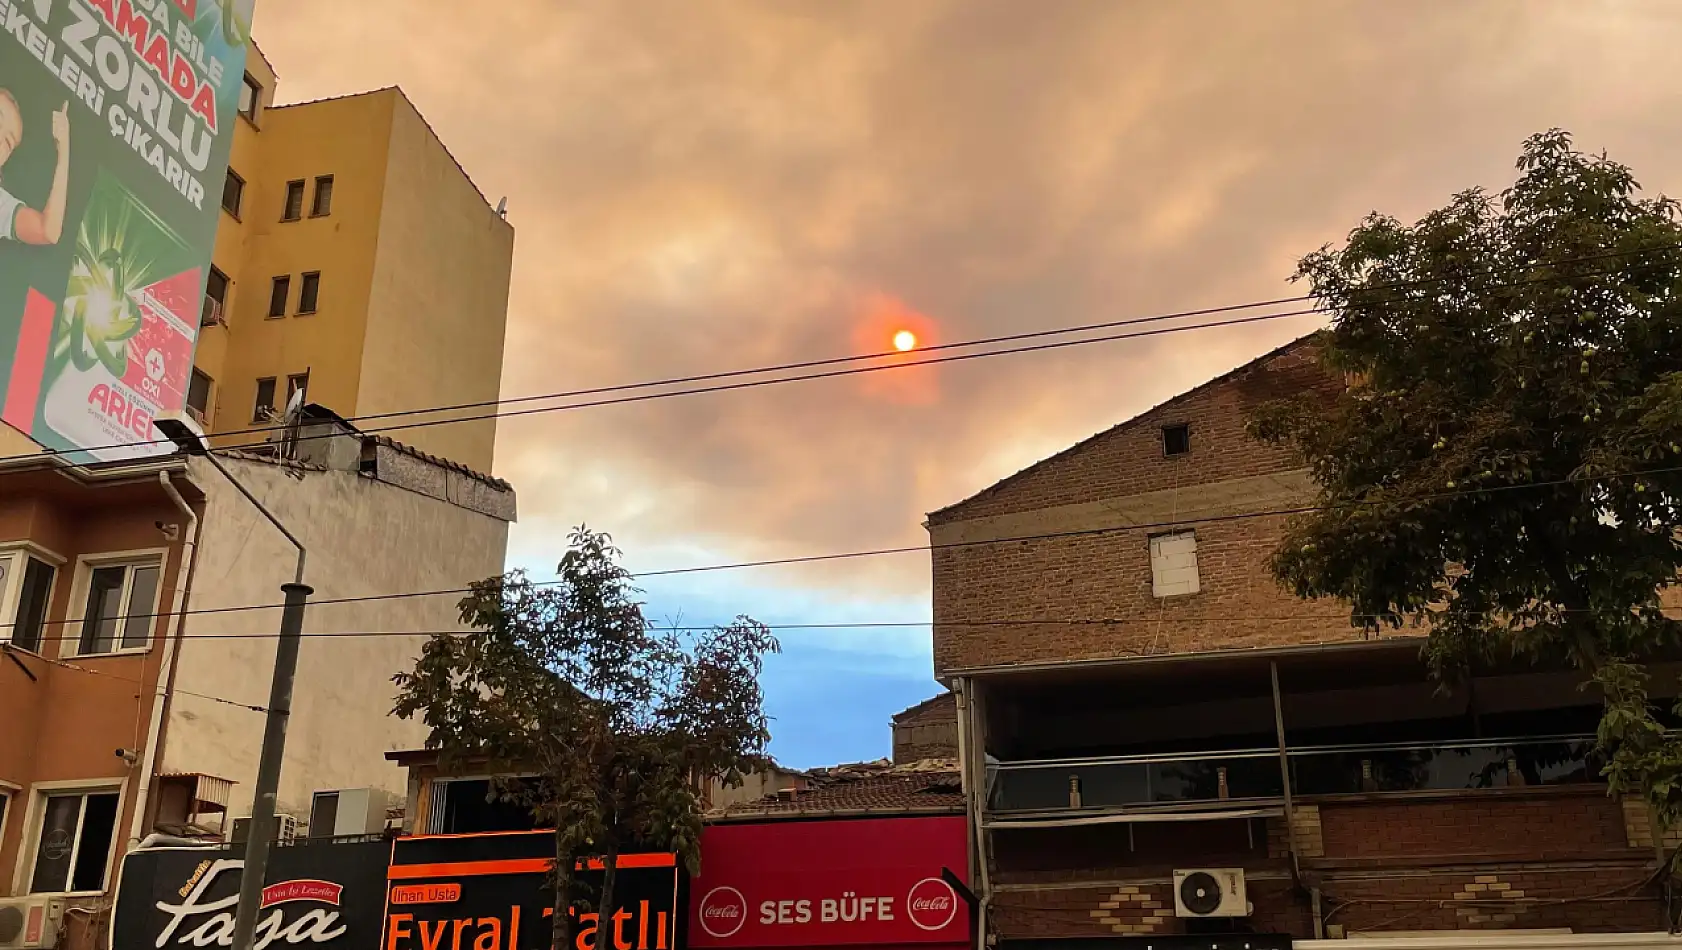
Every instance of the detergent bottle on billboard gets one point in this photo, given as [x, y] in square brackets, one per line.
[122, 343]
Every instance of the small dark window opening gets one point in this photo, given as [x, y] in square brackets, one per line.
[323, 203]
[278, 293]
[233, 192]
[265, 400]
[1176, 439]
[309, 292]
[250, 95]
[294, 201]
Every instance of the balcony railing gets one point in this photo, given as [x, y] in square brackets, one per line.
[1253, 775]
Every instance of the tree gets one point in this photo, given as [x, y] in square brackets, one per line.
[614, 724]
[1505, 466]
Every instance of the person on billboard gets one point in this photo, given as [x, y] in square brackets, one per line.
[18, 221]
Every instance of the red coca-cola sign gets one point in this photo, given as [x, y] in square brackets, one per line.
[723, 912]
[831, 883]
[931, 904]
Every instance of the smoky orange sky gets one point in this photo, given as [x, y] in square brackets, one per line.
[715, 184]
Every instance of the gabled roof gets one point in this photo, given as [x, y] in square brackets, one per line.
[947, 698]
[1301, 341]
[879, 789]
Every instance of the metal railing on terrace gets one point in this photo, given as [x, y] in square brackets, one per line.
[1254, 775]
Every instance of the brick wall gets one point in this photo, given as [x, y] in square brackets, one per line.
[1128, 459]
[1535, 825]
[928, 730]
[1095, 588]
[1482, 860]
[1584, 899]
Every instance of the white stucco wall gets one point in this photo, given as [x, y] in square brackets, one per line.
[364, 537]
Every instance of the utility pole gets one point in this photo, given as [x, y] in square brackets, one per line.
[260, 831]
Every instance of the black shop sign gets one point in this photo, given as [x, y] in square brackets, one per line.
[486, 892]
[317, 895]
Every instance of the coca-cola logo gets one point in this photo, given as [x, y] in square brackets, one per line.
[931, 904]
[723, 912]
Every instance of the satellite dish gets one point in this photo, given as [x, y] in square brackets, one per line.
[502, 207]
[294, 405]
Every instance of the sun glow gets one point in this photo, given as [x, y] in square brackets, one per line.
[905, 341]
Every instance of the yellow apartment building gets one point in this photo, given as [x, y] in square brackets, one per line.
[356, 260]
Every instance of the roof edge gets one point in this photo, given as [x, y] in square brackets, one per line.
[944, 514]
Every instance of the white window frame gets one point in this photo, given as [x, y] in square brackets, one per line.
[30, 839]
[9, 793]
[1163, 589]
[11, 589]
[143, 557]
[435, 796]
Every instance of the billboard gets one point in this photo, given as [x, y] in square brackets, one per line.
[326, 895]
[116, 119]
[878, 881]
[487, 892]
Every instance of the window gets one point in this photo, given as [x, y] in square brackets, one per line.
[297, 384]
[466, 806]
[233, 192]
[250, 97]
[1176, 439]
[198, 395]
[265, 400]
[294, 201]
[216, 286]
[309, 292]
[324, 814]
[73, 843]
[121, 607]
[26, 590]
[278, 293]
[323, 203]
[215, 298]
[1174, 564]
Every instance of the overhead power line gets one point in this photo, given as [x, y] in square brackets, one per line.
[935, 546]
[901, 361]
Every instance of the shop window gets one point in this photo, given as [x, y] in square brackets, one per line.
[73, 842]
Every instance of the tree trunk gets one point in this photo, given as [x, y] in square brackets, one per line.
[560, 923]
[610, 871]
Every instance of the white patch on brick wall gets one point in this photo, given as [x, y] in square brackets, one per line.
[1174, 564]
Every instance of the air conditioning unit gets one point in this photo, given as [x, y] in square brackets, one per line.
[30, 923]
[347, 812]
[1210, 892]
[286, 830]
[211, 315]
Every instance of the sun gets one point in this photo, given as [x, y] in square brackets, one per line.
[905, 341]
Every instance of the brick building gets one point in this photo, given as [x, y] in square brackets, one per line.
[1137, 697]
[928, 730]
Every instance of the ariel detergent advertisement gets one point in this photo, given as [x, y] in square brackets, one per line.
[116, 118]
